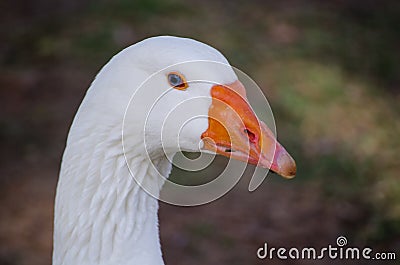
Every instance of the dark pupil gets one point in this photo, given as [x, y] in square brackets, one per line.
[175, 80]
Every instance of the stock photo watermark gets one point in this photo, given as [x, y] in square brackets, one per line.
[339, 251]
[173, 118]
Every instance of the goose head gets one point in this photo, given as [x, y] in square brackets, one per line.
[174, 94]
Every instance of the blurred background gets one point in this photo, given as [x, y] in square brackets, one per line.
[331, 72]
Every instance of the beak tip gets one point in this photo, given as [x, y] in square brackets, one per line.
[286, 165]
[291, 174]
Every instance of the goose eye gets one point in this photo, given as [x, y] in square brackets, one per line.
[177, 80]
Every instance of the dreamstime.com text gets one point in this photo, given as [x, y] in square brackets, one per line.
[340, 251]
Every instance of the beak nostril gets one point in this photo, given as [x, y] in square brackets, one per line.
[250, 135]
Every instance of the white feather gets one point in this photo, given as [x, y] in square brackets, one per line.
[102, 216]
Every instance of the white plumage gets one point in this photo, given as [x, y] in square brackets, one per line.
[102, 215]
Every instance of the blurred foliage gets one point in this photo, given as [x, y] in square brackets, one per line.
[329, 68]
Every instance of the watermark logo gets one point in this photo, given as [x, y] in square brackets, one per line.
[167, 118]
[341, 241]
[339, 251]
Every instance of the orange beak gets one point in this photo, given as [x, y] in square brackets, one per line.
[235, 131]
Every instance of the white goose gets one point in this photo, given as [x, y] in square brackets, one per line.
[102, 215]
